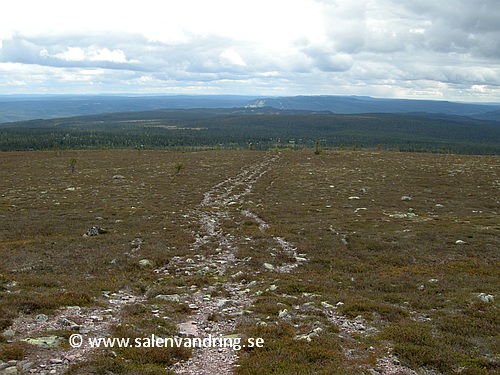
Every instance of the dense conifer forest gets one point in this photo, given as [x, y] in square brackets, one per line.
[262, 129]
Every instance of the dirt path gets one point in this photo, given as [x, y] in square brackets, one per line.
[218, 205]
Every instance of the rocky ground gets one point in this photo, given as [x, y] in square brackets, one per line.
[225, 201]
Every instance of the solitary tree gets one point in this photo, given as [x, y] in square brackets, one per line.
[72, 165]
[318, 150]
[178, 167]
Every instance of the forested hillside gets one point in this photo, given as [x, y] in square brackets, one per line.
[259, 128]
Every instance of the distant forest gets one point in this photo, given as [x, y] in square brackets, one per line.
[261, 129]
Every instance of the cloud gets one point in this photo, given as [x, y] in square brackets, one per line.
[366, 47]
[80, 54]
[62, 53]
[232, 58]
[327, 60]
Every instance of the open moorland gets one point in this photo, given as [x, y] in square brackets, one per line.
[348, 262]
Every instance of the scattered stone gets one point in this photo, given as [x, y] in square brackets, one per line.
[8, 334]
[406, 198]
[41, 318]
[310, 335]
[25, 365]
[237, 274]
[188, 328]
[136, 242]
[403, 216]
[118, 177]
[459, 242]
[488, 298]
[359, 319]
[193, 306]
[9, 370]
[283, 313]
[95, 231]
[268, 266]
[45, 342]
[354, 198]
[221, 302]
[326, 305]
[145, 263]
[308, 306]
[169, 297]
[69, 323]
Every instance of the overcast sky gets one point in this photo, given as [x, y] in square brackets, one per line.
[425, 49]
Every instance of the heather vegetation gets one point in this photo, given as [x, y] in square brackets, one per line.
[343, 261]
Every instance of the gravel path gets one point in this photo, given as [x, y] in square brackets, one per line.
[215, 208]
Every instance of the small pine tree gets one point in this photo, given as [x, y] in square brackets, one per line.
[72, 165]
[318, 150]
[178, 167]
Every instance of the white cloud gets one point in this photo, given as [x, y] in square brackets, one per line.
[231, 57]
[71, 54]
[88, 54]
[367, 47]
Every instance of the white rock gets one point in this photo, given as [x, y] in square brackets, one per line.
[485, 297]
[283, 313]
[144, 263]
[326, 305]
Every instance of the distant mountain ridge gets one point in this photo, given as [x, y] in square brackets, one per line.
[365, 104]
[25, 107]
[30, 107]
